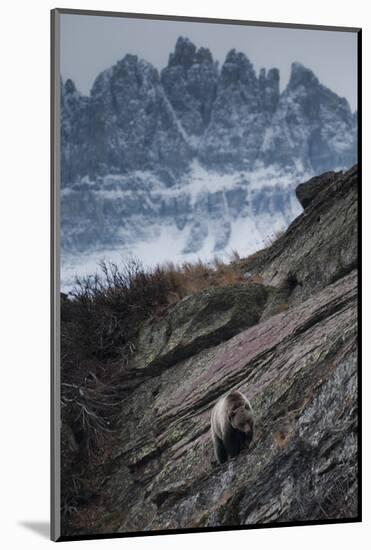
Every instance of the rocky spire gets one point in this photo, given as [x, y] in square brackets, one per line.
[301, 76]
[312, 128]
[269, 88]
[238, 120]
[237, 68]
[69, 86]
[189, 82]
[229, 119]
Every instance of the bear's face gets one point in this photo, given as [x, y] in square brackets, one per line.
[241, 419]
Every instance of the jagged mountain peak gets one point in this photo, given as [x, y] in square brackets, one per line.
[133, 67]
[203, 55]
[272, 75]
[72, 99]
[70, 87]
[186, 54]
[101, 82]
[190, 81]
[312, 127]
[130, 70]
[237, 67]
[301, 76]
[150, 144]
[133, 60]
[233, 56]
[229, 119]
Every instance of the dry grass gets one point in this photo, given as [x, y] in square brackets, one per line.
[99, 328]
[191, 278]
[100, 323]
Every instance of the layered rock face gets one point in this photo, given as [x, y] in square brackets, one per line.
[235, 133]
[289, 342]
[136, 119]
[307, 265]
[311, 126]
[190, 82]
[190, 152]
[130, 124]
[75, 117]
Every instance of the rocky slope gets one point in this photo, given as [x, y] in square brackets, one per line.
[185, 155]
[287, 337]
[305, 265]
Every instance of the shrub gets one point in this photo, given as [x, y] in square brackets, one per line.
[100, 322]
[99, 328]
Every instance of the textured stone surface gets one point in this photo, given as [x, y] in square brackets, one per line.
[126, 123]
[197, 322]
[308, 191]
[299, 370]
[298, 366]
[306, 126]
[238, 121]
[228, 118]
[319, 246]
[199, 153]
[190, 82]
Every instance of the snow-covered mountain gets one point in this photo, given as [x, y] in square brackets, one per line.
[194, 161]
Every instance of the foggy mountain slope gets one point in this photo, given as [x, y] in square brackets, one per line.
[191, 158]
[287, 337]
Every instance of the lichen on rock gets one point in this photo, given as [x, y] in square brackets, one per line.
[290, 344]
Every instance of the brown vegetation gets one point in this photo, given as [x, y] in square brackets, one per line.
[99, 326]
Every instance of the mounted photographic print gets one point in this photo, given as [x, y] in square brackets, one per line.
[205, 213]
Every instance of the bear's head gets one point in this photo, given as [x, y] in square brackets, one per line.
[241, 418]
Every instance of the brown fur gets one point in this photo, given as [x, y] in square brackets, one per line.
[232, 425]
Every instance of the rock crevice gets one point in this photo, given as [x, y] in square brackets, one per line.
[298, 366]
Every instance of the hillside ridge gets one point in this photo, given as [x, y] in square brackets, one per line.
[285, 335]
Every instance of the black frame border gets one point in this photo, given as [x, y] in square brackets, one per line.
[55, 524]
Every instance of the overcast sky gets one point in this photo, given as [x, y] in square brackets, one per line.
[90, 44]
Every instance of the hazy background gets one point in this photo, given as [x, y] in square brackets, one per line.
[90, 44]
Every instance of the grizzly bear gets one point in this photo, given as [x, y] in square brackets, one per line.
[232, 425]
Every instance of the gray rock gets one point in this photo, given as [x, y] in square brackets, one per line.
[306, 127]
[238, 120]
[319, 246]
[298, 366]
[299, 370]
[147, 130]
[190, 82]
[221, 313]
[307, 192]
[133, 119]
